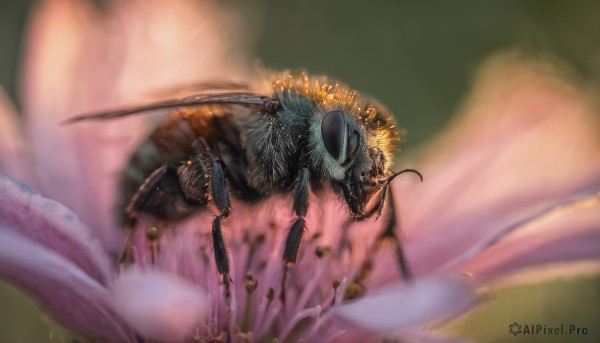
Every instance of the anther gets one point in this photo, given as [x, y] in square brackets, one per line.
[270, 294]
[152, 234]
[353, 291]
[152, 237]
[251, 283]
[321, 251]
[335, 284]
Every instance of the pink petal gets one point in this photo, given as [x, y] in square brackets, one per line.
[401, 307]
[49, 224]
[526, 140]
[72, 297]
[177, 43]
[567, 234]
[72, 162]
[14, 156]
[158, 305]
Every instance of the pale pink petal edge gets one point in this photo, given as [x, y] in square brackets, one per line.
[48, 223]
[401, 307]
[68, 293]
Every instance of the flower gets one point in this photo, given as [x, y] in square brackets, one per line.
[513, 183]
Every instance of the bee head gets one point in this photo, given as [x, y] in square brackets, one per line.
[351, 139]
[356, 170]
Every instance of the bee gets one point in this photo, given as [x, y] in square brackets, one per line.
[303, 134]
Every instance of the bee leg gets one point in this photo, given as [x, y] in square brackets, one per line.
[220, 198]
[294, 237]
[134, 210]
[389, 234]
[210, 168]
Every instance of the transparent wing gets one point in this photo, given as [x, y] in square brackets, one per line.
[260, 102]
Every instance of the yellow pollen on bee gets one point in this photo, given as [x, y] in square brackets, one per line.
[335, 96]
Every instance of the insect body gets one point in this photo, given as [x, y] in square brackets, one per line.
[306, 133]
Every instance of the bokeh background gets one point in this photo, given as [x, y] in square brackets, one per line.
[418, 58]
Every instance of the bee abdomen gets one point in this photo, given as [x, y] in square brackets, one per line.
[165, 147]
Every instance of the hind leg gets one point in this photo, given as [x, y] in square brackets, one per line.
[206, 167]
[159, 195]
[134, 210]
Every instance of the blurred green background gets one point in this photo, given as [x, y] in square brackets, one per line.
[417, 58]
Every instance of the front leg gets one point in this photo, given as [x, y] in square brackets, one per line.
[294, 237]
[208, 168]
[389, 234]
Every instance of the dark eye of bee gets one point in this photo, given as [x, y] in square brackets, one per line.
[333, 129]
[353, 142]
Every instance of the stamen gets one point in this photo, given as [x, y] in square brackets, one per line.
[311, 287]
[335, 284]
[270, 313]
[152, 238]
[126, 257]
[321, 251]
[251, 283]
[306, 313]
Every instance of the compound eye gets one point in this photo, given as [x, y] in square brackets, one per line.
[353, 142]
[333, 130]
